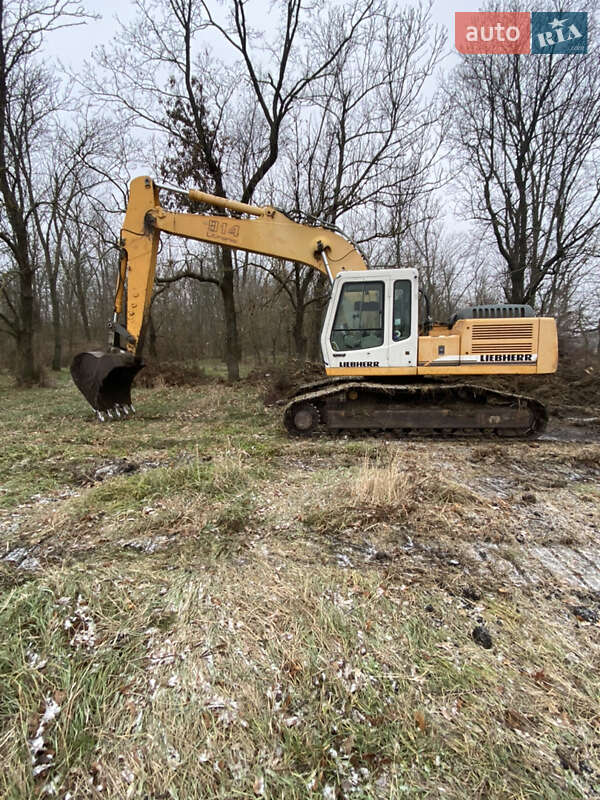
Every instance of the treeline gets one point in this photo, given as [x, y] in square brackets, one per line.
[484, 176]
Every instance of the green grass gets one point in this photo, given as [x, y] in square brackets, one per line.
[247, 615]
[336, 685]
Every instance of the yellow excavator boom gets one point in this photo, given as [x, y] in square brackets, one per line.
[270, 233]
[105, 378]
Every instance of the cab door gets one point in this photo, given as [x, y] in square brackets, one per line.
[356, 333]
[404, 323]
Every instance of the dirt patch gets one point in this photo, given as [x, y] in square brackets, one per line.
[524, 514]
[154, 375]
[572, 429]
[278, 383]
[574, 387]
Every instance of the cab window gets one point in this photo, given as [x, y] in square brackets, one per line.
[402, 310]
[358, 322]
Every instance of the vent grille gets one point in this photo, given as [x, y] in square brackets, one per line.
[502, 347]
[502, 311]
[503, 332]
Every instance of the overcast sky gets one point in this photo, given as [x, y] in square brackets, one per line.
[73, 45]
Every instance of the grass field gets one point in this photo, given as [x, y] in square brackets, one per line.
[194, 605]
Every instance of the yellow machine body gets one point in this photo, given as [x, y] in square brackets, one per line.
[478, 347]
[372, 327]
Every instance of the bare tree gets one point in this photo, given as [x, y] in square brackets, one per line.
[227, 123]
[526, 130]
[66, 179]
[363, 155]
[27, 98]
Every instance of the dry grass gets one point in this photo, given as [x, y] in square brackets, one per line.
[209, 684]
[392, 482]
[247, 615]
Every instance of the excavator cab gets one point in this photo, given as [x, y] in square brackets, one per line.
[372, 322]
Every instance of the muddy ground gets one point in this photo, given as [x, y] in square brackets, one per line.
[199, 606]
[536, 502]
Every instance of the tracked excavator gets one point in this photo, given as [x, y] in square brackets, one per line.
[383, 363]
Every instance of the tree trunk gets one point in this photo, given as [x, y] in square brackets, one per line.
[318, 317]
[26, 372]
[232, 342]
[300, 340]
[517, 284]
[56, 329]
[26, 369]
[152, 337]
[81, 301]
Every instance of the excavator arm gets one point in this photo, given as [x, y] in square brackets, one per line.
[105, 378]
[269, 233]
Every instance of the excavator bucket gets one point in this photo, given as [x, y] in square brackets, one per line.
[105, 379]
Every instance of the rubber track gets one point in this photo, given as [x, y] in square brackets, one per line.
[320, 390]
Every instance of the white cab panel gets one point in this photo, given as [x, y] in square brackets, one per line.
[372, 320]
